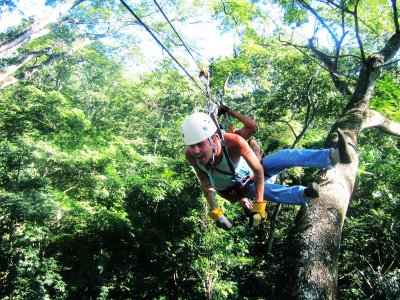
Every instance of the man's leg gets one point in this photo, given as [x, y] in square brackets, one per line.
[275, 163]
[256, 148]
[343, 152]
[293, 195]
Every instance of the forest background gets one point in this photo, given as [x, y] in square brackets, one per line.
[96, 199]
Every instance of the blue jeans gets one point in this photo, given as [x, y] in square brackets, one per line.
[277, 162]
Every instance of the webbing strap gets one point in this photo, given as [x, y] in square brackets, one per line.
[221, 138]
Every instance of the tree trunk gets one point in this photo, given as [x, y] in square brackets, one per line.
[310, 269]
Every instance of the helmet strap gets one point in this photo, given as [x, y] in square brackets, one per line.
[213, 147]
[213, 158]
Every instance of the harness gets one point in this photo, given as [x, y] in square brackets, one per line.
[241, 178]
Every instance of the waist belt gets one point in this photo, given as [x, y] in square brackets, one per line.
[235, 192]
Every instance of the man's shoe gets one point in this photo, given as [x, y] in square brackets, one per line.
[311, 191]
[343, 146]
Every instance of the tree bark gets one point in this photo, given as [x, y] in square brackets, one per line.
[310, 269]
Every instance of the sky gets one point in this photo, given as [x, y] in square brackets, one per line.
[24, 7]
[207, 38]
[213, 44]
[209, 42]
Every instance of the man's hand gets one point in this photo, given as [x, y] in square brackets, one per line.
[222, 110]
[258, 214]
[220, 220]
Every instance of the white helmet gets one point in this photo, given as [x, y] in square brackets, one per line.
[197, 127]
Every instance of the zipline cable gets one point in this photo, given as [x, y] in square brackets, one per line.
[177, 34]
[162, 46]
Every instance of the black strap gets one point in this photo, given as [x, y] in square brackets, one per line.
[221, 137]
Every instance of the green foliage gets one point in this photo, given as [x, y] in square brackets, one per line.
[369, 262]
[97, 201]
[13, 31]
[386, 98]
[294, 13]
[234, 13]
[26, 218]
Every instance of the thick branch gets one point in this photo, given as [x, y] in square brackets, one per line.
[395, 16]
[392, 47]
[8, 81]
[366, 82]
[376, 119]
[5, 75]
[38, 29]
[357, 29]
[317, 16]
[13, 68]
[321, 55]
[370, 72]
[341, 85]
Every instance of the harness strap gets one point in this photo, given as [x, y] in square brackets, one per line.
[223, 144]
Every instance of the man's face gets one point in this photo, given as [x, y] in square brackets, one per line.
[202, 151]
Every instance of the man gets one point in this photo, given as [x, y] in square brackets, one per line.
[246, 132]
[229, 167]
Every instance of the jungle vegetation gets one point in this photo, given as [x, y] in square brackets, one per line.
[97, 200]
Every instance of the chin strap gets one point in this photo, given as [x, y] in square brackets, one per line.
[214, 149]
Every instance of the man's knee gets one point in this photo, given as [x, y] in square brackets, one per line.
[256, 148]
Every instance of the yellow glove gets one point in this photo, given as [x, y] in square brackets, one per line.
[215, 214]
[258, 214]
[220, 220]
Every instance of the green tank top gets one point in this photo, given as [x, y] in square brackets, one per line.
[221, 176]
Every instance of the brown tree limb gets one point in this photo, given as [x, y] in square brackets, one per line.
[395, 16]
[379, 121]
[310, 267]
[357, 29]
[331, 66]
[391, 48]
[318, 17]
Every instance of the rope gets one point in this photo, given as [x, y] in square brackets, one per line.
[177, 34]
[162, 46]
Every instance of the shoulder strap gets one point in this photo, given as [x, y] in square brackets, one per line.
[221, 137]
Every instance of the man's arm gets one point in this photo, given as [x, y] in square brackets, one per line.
[215, 214]
[250, 126]
[205, 183]
[239, 147]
